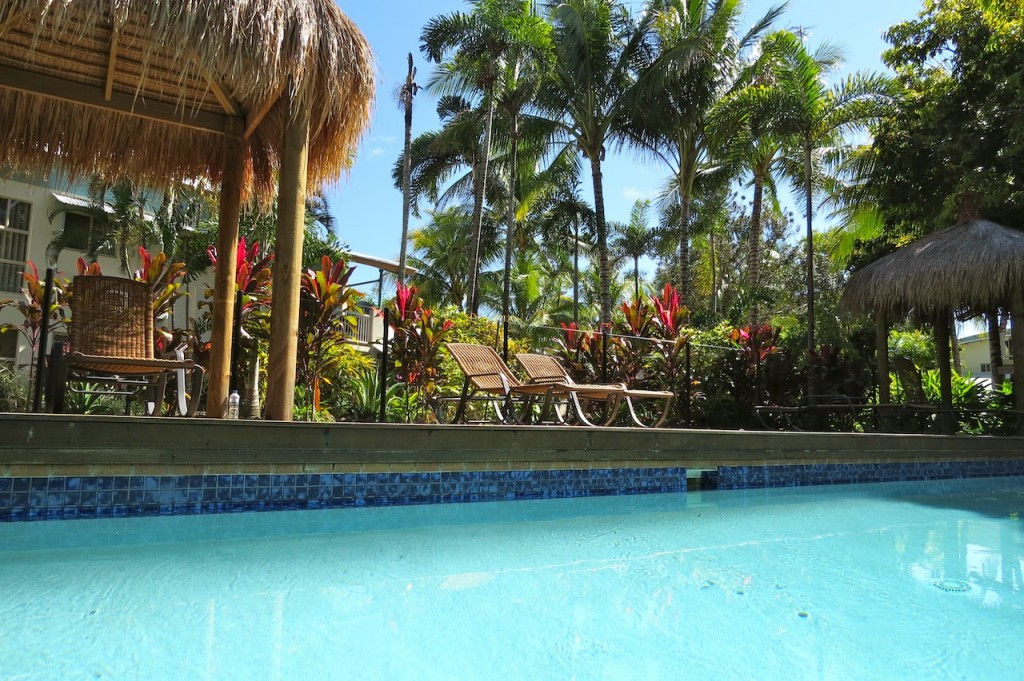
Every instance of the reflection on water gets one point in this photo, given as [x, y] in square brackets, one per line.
[815, 583]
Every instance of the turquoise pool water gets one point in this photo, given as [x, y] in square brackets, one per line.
[882, 581]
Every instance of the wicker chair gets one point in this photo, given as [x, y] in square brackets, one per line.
[112, 344]
[545, 369]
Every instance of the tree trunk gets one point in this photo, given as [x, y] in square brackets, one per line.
[684, 245]
[510, 228]
[945, 373]
[754, 252]
[576, 274]
[407, 95]
[478, 209]
[713, 257]
[602, 237]
[636, 278]
[812, 379]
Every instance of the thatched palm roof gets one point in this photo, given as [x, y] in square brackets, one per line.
[975, 264]
[146, 87]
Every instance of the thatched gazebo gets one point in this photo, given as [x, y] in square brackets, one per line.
[974, 265]
[240, 94]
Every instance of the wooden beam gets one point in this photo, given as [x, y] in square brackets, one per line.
[224, 278]
[284, 305]
[1017, 351]
[230, 106]
[257, 115]
[111, 66]
[12, 78]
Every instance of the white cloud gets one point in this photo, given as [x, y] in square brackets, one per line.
[634, 194]
[377, 151]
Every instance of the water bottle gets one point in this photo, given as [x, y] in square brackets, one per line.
[233, 401]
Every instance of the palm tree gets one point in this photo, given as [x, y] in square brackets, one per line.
[405, 96]
[477, 42]
[438, 158]
[119, 223]
[699, 62]
[568, 218]
[588, 94]
[634, 239]
[526, 63]
[819, 116]
[440, 255]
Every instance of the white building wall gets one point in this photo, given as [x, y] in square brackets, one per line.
[975, 357]
[39, 195]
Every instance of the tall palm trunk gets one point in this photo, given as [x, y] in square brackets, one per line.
[636, 278]
[576, 274]
[684, 245]
[602, 237]
[407, 94]
[713, 258]
[510, 227]
[812, 379]
[754, 252]
[478, 207]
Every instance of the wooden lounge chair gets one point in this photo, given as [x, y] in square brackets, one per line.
[546, 369]
[112, 344]
[489, 377]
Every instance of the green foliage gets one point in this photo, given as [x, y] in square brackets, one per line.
[14, 389]
[418, 338]
[326, 302]
[959, 122]
[32, 303]
[90, 398]
[914, 345]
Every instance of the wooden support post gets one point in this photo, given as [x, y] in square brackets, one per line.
[1017, 350]
[284, 315]
[884, 420]
[882, 357]
[941, 321]
[224, 277]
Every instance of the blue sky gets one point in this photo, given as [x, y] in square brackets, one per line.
[369, 209]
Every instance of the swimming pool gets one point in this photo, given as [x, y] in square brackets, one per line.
[889, 580]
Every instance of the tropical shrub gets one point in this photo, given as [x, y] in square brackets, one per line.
[418, 335]
[14, 389]
[326, 302]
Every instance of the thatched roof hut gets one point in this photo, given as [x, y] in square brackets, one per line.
[976, 264]
[244, 93]
[973, 265]
[145, 87]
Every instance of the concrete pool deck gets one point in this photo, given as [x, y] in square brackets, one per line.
[41, 445]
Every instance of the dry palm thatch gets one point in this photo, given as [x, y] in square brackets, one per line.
[976, 264]
[145, 87]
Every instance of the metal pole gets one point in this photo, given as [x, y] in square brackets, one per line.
[44, 333]
[604, 355]
[236, 342]
[689, 382]
[382, 418]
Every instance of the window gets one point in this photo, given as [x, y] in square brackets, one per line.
[80, 233]
[14, 223]
[8, 345]
[986, 368]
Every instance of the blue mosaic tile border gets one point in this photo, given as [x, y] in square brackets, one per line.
[68, 498]
[754, 477]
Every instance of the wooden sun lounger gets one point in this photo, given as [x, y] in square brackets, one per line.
[547, 370]
[486, 374]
